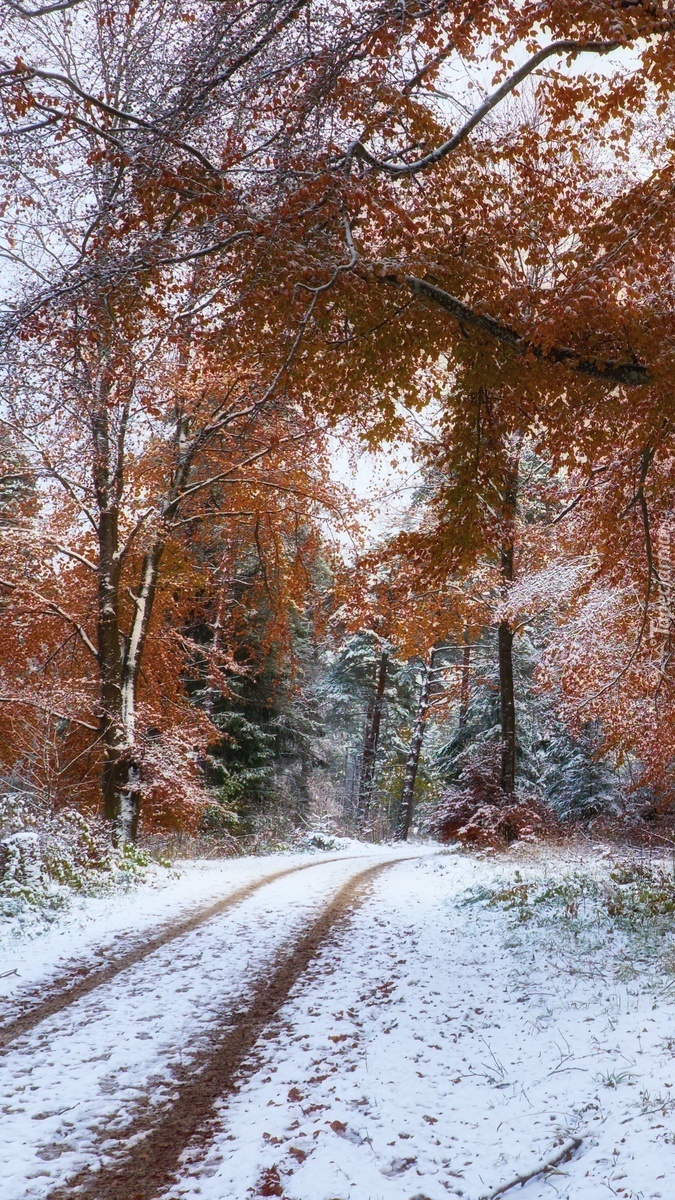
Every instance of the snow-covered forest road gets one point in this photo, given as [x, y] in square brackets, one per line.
[364, 1027]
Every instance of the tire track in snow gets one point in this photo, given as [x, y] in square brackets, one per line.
[152, 1162]
[78, 981]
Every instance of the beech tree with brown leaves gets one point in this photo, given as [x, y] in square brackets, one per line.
[129, 462]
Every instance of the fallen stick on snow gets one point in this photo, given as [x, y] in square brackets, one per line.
[562, 1156]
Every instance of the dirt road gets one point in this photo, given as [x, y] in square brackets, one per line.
[77, 980]
[361, 1030]
[120, 1064]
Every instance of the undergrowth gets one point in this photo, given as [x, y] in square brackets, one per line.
[47, 858]
[634, 903]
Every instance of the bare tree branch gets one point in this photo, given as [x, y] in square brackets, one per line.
[136, 527]
[86, 562]
[210, 514]
[253, 51]
[112, 111]
[47, 708]
[21, 129]
[358, 150]
[54, 609]
[28, 13]
[563, 1155]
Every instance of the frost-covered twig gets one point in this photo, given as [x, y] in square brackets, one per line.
[562, 1156]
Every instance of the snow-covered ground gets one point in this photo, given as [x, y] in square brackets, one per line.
[435, 1047]
[435, 1051]
[86, 1068]
[91, 925]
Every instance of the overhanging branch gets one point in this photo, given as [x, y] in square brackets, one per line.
[28, 13]
[629, 374]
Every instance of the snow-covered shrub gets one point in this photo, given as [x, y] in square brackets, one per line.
[45, 856]
[460, 817]
[20, 859]
[636, 898]
[318, 839]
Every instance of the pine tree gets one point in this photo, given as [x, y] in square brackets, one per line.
[475, 735]
[271, 734]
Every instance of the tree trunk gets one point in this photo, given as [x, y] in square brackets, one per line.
[371, 739]
[505, 632]
[107, 480]
[407, 806]
[303, 801]
[464, 692]
[120, 655]
[122, 793]
[508, 707]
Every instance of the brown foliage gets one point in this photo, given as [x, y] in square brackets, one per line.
[234, 225]
[484, 816]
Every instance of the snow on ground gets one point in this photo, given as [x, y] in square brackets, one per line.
[438, 1046]
[93, 925]
[84, 1070]
[439, 1049]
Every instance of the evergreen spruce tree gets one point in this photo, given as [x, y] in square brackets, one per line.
[475, 735]
[346, 692]
[271, 740]
[579, 783]
[259, 770]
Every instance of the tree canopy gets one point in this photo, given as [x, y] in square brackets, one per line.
[233, 233]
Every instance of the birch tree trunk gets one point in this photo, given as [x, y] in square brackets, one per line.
[119, 804]
[125, 784]
[407, 805]
[120, 652]
[371, 740]
[122, 790]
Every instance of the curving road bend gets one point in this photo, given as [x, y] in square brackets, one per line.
[362, 1028]
[77, 979]
[109, 1075]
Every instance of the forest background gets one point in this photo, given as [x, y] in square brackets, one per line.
[241, 241]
